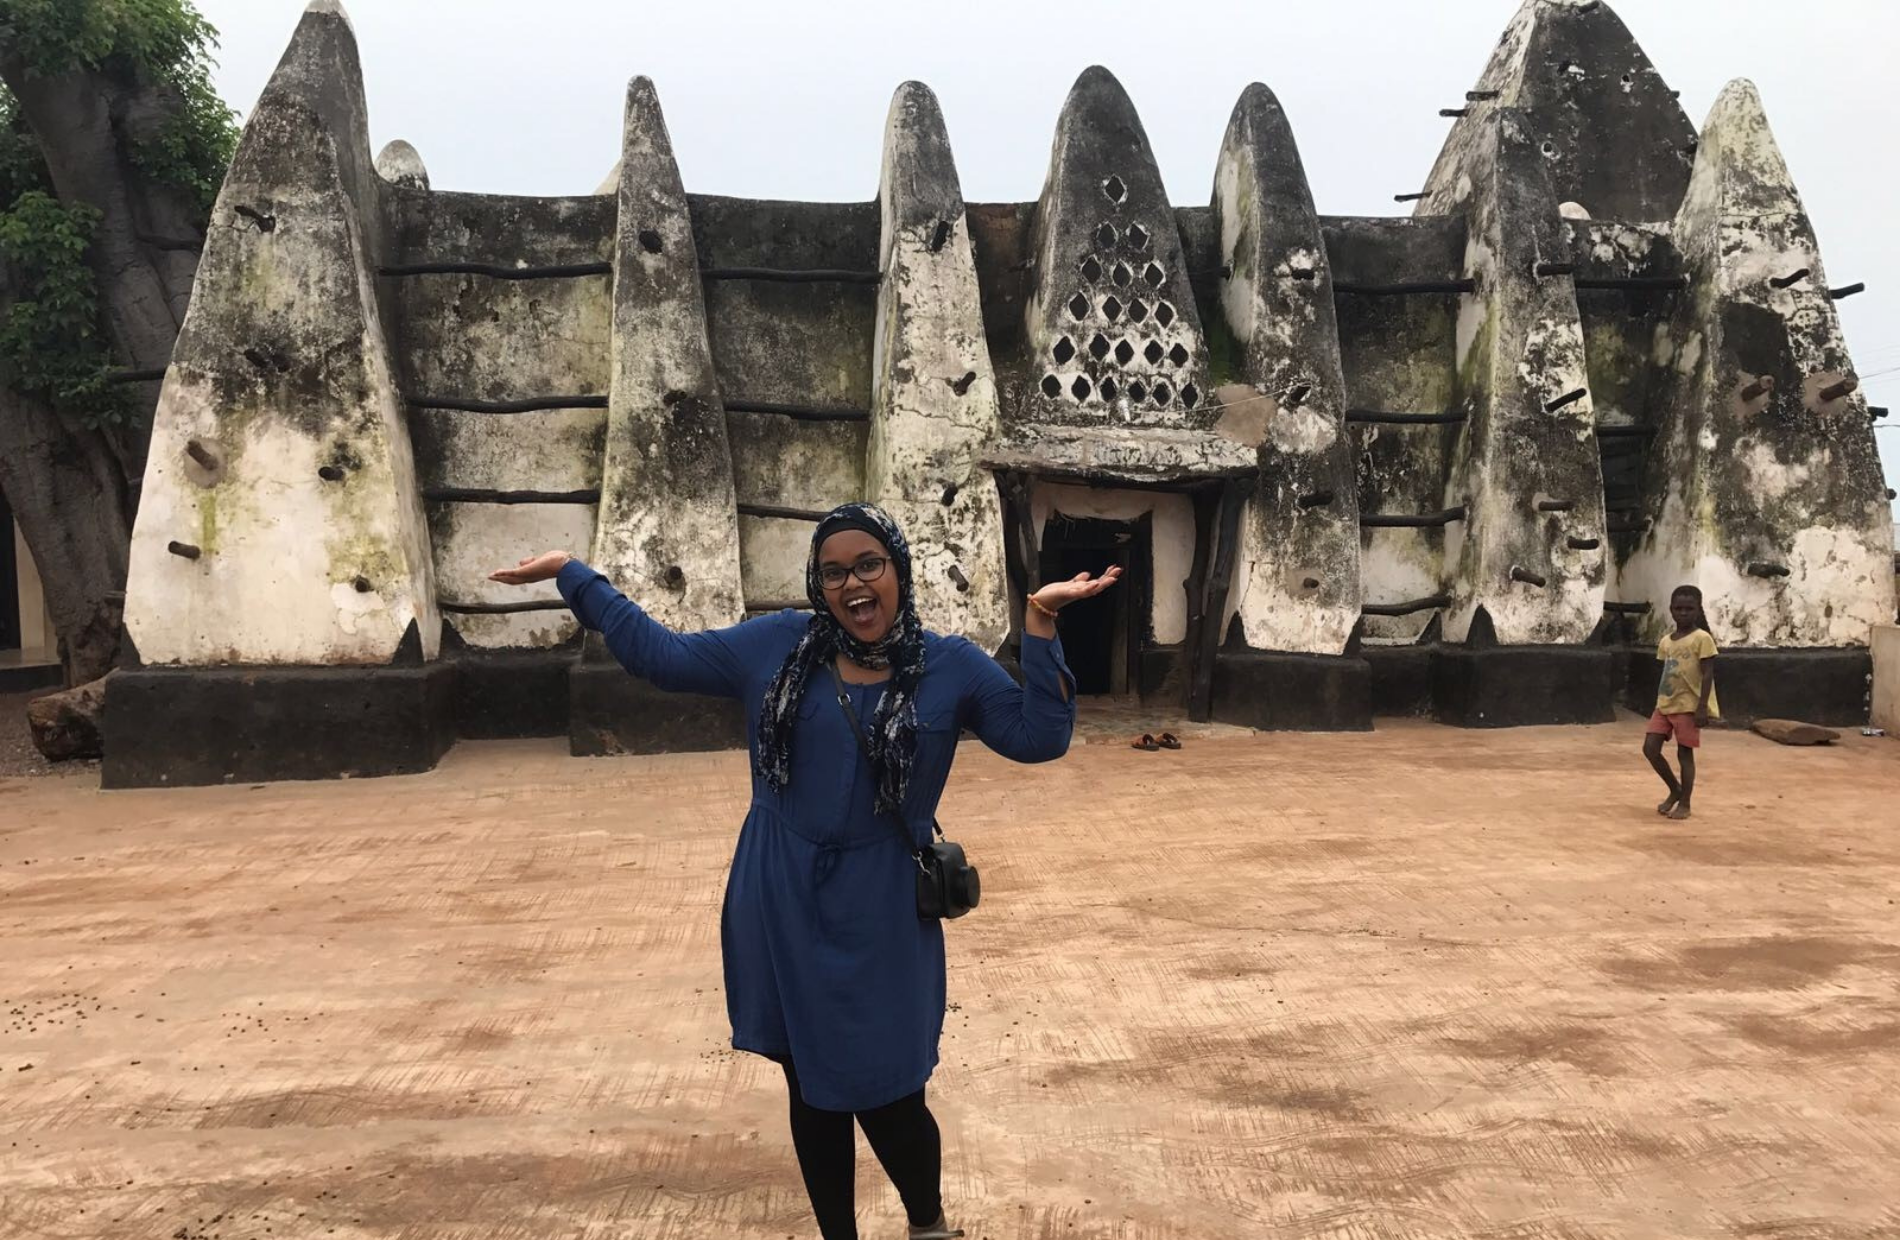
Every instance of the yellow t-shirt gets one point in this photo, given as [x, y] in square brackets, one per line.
[1680, 691]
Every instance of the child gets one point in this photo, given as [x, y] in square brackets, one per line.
[1685, 699]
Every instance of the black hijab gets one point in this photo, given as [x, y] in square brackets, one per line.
[892, 736]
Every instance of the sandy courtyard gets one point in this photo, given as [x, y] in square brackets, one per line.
[1417, 983]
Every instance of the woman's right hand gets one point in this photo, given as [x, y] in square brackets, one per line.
[541, 567]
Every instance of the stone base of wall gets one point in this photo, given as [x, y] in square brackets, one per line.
[169, 726]
[184, 726]
[511, 693]
[1164, 676]
[1292, 692]
[1826, 686]
[610, 712]
[1515, 686]
[1401, 680]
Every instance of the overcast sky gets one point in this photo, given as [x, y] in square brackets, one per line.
[778, 100]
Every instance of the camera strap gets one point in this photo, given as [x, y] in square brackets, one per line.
[864, 747]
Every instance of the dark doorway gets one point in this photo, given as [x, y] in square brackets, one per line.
[1102, 636]
[9, 583]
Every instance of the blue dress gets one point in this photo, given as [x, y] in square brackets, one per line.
[827, 963]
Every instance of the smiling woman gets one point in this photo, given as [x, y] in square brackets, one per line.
[833, 947]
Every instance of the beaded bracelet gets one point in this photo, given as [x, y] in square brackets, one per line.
[1034, 602]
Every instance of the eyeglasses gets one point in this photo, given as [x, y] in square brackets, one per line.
[870, 568]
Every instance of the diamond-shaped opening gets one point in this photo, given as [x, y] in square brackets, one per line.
[1137, 310]
[1121, 275]
[1051, 386]
[1153, 274]
[1161, 393]
[1098, 347]
[1164, 314]
[1138, 236]
[1178, 354]
[1115, 190]
[1189, 396]
[1091, 270]
[1107, 388]
[1080, 388]
[1112, 307]
[1153, 352]
[1064, 350]
[1124, 353]
[1106, 237]
[1078, 306]
[1136, 392]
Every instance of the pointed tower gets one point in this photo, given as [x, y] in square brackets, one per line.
[1764, 487]
[1116, 380]
[280, 525]
[1300, 538]
[668, 530]
[934, 396]
[1524, 556]
[1612, 136]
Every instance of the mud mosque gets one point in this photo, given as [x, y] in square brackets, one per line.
[1448, 462]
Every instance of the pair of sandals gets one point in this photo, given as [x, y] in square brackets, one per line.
[1167, 740]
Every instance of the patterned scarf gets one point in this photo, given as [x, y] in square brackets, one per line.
[892, 736]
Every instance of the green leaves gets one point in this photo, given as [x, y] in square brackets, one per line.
[194, 148]
[50, 337]
[52, 341]
[160, 37]
[163, 41]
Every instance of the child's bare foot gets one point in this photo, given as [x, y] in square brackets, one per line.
[1681, 811]
[1669, 803]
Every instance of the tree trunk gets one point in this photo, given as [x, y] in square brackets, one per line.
[74, 490]
[69, 495]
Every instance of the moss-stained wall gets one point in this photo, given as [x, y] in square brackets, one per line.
[1398, 356]
[470, 336]
[805, 344]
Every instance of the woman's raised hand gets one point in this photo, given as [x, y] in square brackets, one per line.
[541, 567]
[1059, 594]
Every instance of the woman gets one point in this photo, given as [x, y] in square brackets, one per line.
[829, 970]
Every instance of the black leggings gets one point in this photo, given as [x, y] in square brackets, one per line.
[903, 1135]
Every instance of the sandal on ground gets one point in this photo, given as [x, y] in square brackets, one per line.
[1146, 742]
[939, 1230]
[1169, 740]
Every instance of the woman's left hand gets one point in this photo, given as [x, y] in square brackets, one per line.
[1059, 594]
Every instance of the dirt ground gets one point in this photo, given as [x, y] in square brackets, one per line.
[1413, 983]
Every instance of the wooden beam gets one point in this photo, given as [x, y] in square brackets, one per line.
[1206, 508]
[1233, 500]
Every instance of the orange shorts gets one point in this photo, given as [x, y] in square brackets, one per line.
[1682, 727]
